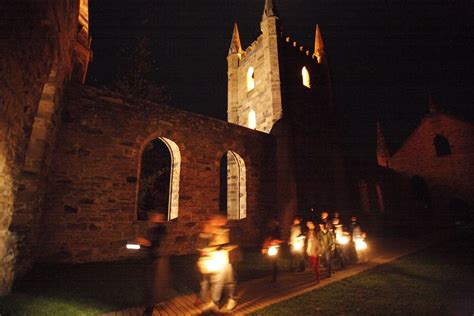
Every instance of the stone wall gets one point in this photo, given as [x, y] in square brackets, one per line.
[449, 176]
[92, 194]
[36, 40]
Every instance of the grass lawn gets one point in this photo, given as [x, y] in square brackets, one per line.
[436, 281]
[95, 288]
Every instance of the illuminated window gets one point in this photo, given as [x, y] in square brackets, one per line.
[233, 195]
[252, 119]
[250, 79]
[306, 79]
[159, 179]
[441, 145]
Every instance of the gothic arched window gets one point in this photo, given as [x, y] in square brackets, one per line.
[250, 79]
[233, 199]
[441, 145]
[158, 190]
[306, 77]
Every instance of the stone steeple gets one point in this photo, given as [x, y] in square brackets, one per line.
[318, 44]
[269, 9]
[383, 155]
[235, 45]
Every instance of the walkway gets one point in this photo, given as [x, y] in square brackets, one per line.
[256, 294]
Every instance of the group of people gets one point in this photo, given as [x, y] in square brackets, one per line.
[323, 241]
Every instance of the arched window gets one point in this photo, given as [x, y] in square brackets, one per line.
[250, 79]
[441, 145]
[306, 78]
[233, 186]
[252, 120]
[159, 179]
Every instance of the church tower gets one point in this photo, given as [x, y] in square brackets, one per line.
[276, 77]
[254, 92]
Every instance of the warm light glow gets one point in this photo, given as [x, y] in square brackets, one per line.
[306, 78]
[252, 120]
[214, 261]
[133, 246]
[342, 239]
[218, 259]
[250, 79]
[360, 244]
[273, 251]
[298, 244]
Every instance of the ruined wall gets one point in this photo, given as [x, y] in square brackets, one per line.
[33, 35]
[91, 200]
[449, 176]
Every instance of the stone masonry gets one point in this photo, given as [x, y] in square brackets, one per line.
[92, 193]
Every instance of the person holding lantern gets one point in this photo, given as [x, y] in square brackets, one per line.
[271, 245]
[214, 263]
[296, 243]
[158, 269]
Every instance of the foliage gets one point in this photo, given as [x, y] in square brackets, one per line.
[136, 75]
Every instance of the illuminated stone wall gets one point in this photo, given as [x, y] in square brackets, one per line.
[37, 57]
[91, 200]
[450, 176]
[307, 108]
[265, 97]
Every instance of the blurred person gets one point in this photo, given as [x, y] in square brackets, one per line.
[296, 243]
[325, 219]
[272, 239]
[157, 274]
[340, 238]
[313, 249]
[326, 242]
[223, 276]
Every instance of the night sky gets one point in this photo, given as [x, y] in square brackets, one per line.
[386, 57]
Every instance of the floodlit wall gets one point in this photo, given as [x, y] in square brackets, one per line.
[92, 193]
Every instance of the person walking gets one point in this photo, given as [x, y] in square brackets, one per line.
[272, 240]
[296, 243]
[326, 242]
[157, 271]
[313, 249]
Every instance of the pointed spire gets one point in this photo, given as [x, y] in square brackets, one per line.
[235, 45]
[433, 108]
[318, 44]
[383, 155]
[269, 9]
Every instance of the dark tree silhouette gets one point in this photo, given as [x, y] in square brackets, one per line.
[137, 73]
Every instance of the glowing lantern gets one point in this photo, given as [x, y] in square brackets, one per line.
[133, 246]
[342, 239]
[360, 244]
[298, 244]
[273, 251]
[215, 261]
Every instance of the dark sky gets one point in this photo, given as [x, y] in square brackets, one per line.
[386, 57]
